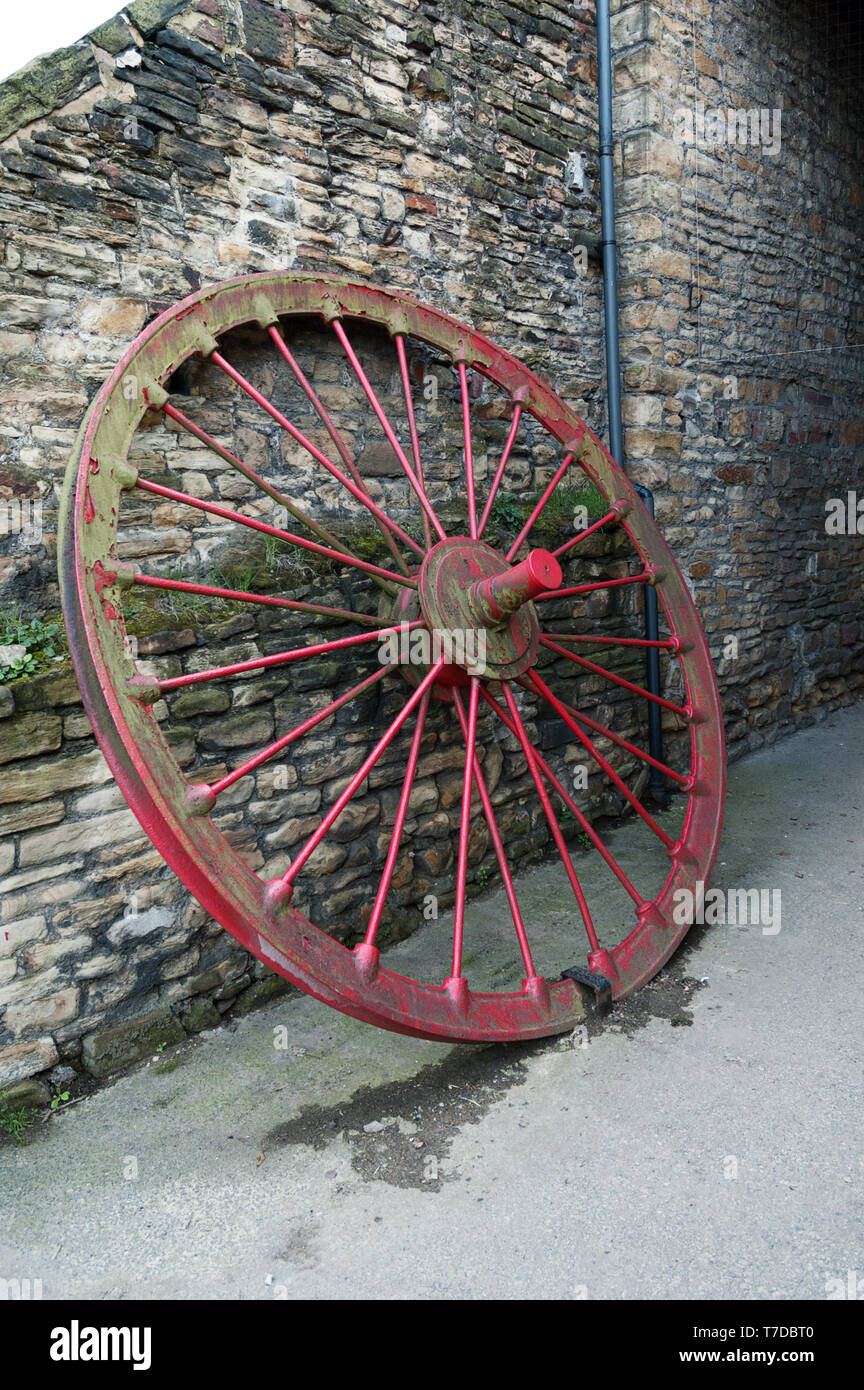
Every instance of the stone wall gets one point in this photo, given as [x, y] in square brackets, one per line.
[448, 149]
[99, 941]
[433, 148]
[742, 314]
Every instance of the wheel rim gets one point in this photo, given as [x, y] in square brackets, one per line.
[120, 701]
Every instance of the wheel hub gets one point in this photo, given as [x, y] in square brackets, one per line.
[469, 591]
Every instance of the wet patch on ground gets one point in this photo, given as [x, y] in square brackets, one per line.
[400, 1133]
[667, 996]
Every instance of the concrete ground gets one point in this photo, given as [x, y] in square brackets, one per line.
[705, 1143]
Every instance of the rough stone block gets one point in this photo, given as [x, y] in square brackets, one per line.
[77, 837]
[150, 15]
[15, 935]
[106, 1052]
[28, 735]
[25, 1059]
[49, 1012]
[45, 84]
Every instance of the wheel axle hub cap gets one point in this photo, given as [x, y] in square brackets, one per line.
[469, 591]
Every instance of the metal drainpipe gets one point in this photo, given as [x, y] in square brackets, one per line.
[657, 782]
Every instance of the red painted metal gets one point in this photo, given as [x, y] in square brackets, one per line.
[412, 430]
[469, 455]
[498, 844]
[575, 811]
[682, 778]
[680, 710]
[533, 767]
[465, 586]
[547, 493]
[341, 447]
[502, 464]
[398, 824]
[464, 827]
[645, 578]
[301, 729]
[561, 709]
[183, 586]
[462, 583]
[664, 644]
[215, 510]
[253, 477]
[261, 663]
[342, 801]
[360, 493]
[501, 595]
[612, 515]
[410, 474]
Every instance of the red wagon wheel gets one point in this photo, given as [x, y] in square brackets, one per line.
[431, 583]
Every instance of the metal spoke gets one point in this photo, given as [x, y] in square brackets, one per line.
[298, 732]
[469, 456]
[412, 429]
[671, 644]
[229, 515]
[499, 471]
[358, 492]
[617, 680]
[341, 447]
[464, 830]
[614, 514]
[240, 596]
[500, 855]
[338, 807]
[647, 577]
[540, 685]
[373, 400]
[556, 478]
[279, 658]
[531, 759]
[399, 824]
[576, 811]
[684, 779]
[279, 497]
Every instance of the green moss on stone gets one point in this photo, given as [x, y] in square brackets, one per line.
[114, 35]
[200, 1014]
[45, 84]
[150, 15]
[104, 1053]
[259, 993]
